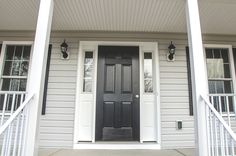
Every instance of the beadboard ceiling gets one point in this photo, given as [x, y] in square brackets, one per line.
[217, 16]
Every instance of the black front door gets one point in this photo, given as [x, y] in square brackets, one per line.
[117, 108]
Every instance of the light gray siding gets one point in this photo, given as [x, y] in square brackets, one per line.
[57, 126]
[174, 98]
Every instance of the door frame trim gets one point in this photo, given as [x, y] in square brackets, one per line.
[154, 49]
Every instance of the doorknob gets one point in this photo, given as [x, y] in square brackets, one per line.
[137, 96]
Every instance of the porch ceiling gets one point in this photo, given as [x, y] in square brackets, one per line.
[217, 16]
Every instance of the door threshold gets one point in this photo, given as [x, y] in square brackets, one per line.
[117, 145]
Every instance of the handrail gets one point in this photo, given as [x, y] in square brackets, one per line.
[228, 129]
[16, 113]
[230, 94]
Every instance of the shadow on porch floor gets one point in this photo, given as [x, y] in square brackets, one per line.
[67, 152]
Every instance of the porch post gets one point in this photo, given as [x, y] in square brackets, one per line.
[199, 75]
[37, 72]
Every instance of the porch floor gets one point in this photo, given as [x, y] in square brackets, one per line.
[67, 152]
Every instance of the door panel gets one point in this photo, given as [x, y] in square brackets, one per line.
[117, 109]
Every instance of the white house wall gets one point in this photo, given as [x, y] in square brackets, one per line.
[57, 126]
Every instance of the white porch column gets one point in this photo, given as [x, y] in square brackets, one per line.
[37, 74]
[199, 76]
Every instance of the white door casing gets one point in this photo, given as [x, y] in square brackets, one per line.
[85, 106]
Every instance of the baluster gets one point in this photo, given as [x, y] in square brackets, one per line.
[228, 111]
[4, 108]
[11, 126]
[16, 135]
[226, 143]
[216, 136]
[222, 146]
[208, 128]
[213, 101]
[232, 146]
[220, 106]
[211, 133]
[21, 134]
[25, 112]
[4, 145]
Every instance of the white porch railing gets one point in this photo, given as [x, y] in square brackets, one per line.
[14, 111]
[225, 105]
[221, 138]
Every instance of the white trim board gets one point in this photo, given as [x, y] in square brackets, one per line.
[85, 107]
[3, 54]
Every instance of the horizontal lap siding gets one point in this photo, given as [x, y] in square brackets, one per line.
[57, 126]
[174, 98]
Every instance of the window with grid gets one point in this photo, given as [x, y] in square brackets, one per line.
[14, 73]
[220, 82]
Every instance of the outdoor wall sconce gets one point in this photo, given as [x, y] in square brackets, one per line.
[171, 54]
[64, 48]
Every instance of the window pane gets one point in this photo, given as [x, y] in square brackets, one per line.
[88, 58]
[5, 84]
[148, 86]
[88, 71]
[219, 87]
[228, 86]
[216, 53]
[26, 52]
[87, 85]
[24, 68]
[10, 52]
[23, 85]
[227, 71]
[18, 53]
[211, 86]
[7, 68]
[224, 53]
[14, 85]
[209, 53]
[231, 104]
[215, 68]
[15, 68]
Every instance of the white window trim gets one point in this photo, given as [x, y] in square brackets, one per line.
[3, 54]
[231, 59]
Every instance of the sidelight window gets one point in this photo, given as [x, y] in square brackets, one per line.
[148, 74]
[88, 71]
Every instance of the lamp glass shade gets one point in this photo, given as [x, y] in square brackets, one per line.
[64, 47]
[171, 48]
